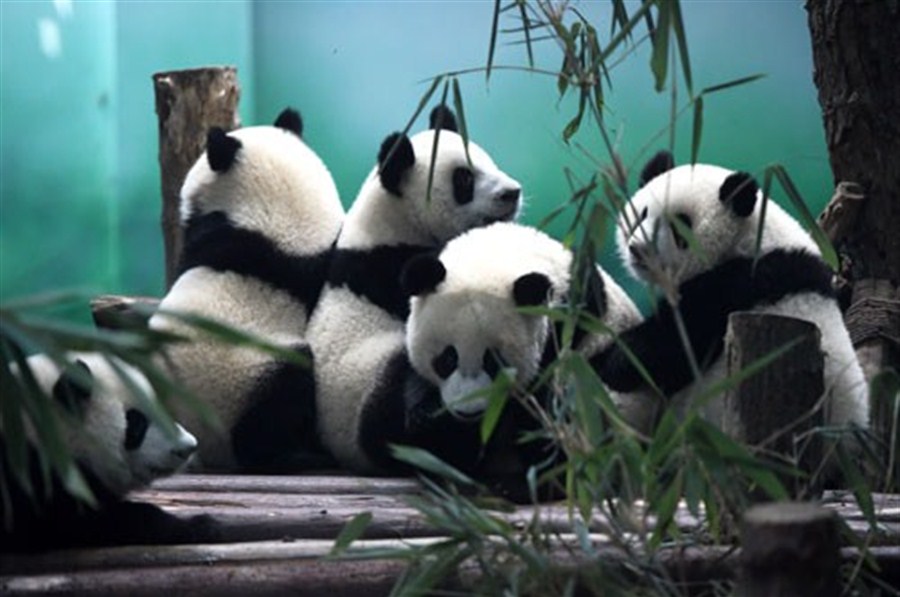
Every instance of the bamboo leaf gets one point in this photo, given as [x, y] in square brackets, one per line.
[730, 84]
[659, 58]
[352, 531]
[526, 24]
[427, 462]
[496, 403]
[698, 129]
[434, 147]
[493, 43]
[829, 255]
[681, 40]
[461, 119]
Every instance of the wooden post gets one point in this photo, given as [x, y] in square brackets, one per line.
[789, 549]
[188, 103]
[777, 405]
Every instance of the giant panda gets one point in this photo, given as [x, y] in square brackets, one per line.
[358, 324]
[260, 213]
[467, 322]
[101, 405]
[722, 274]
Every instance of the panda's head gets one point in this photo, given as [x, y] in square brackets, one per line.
[465, 321]
[463, 195]
[713, 206]
[106, 425]
[267, 180]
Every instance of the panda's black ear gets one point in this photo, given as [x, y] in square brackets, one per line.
[73, 388]
[738, 192]
[290, 120]
[220, 149]
[422, 274]
[662, 162]
[442, 117]
[395, 157]
[531, 290]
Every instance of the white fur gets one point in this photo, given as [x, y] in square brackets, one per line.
[722, 235]
[352, 339]
[97, 440]
[277, 187]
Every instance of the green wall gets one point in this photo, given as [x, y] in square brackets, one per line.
[79, 197]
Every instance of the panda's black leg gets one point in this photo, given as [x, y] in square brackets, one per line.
[278, 433]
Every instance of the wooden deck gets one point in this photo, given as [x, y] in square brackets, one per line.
[273, 532]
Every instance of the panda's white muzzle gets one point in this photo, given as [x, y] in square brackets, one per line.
[457, 394]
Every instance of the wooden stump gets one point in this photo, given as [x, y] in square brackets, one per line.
[776, 408]
[790, 549]
[188, 103]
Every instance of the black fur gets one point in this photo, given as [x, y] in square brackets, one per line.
[73, 388]
[136, 426]
[383, 418]
[738, 192]
[406, 409]
[376, 274]
[290, 120]
[662, 162]
[422, 274]
[221, 150]
[395, 158]
[52, 519]
[464, 186]
[706, 302]
[277, 433]
[443, 118]
[211, 240]
[531, 290]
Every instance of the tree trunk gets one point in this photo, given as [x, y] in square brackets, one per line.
[856, 55]
[188, 103]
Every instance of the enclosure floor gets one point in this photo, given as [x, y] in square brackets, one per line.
[273, 533]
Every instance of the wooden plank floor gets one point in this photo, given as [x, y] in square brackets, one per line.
[272, 534]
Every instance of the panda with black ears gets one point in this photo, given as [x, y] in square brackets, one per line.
[260, 213]
[723, 274]
[358, 324]
[469, 319]
[101, 405]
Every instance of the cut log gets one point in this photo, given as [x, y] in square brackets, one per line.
[113, 312]
[188, 103]
[790, 549]
[775, 409]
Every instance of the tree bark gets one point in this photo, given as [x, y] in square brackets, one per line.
[188, 103]
[856, 56]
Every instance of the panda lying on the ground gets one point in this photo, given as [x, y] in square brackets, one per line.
[261, 213]
[721, 209]
[358, 324]
[117, 447]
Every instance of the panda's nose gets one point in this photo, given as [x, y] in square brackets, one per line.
[510, 196]
[185, 452]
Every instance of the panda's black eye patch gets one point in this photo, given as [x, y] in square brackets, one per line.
[445, 363]
[136, 425]
[492, 362]
[680, 240]
[463, 185]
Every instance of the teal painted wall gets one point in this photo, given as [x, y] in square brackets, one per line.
[79, 197]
